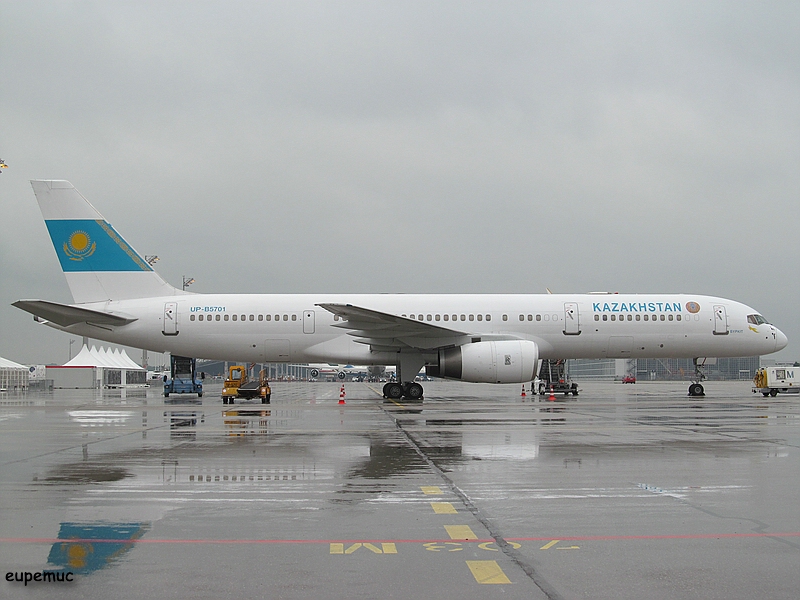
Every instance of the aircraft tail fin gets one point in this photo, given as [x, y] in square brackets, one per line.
[98, 263]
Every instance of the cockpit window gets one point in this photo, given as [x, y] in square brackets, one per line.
[756, 319]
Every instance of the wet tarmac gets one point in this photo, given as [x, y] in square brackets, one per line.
[625, 491]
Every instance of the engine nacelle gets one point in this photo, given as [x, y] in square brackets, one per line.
[505, 361]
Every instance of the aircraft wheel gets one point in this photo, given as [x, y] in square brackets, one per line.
[386, 390]
[414, 391]
[773, 393]
[765, 394]
[394, 391]
[696, 390]
[166, 394]
[199, 394]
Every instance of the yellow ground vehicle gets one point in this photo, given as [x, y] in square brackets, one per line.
[239, 385]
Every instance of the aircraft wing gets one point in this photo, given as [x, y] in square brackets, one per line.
[385, 332]
[66, 315]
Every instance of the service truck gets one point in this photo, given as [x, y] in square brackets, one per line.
[773, 380]
[183, 377]
[239, 385]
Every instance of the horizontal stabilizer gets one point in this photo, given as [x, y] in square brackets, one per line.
[66, 315]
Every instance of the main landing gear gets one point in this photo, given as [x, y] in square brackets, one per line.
[395, 390]
[696, 388]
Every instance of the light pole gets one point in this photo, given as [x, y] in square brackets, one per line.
[187, 281]
[70, 349]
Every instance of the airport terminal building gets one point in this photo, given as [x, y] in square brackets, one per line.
[662, 369]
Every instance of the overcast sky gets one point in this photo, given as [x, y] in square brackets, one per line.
[409, 147]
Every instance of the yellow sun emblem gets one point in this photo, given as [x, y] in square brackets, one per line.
[79, 246]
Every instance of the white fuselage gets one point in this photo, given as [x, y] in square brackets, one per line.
[291, 327]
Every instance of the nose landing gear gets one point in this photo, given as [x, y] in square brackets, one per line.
[696, 388]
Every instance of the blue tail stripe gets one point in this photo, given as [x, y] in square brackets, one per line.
[88, 245]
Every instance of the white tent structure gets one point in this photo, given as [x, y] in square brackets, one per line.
[98, 368]
[13, 376]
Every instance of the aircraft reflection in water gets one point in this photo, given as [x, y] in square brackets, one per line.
[89, 547]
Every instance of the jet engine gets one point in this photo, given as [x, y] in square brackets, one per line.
[505, 361]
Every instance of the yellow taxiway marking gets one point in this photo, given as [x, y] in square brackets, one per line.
[488, 546]
[431, 490]
[460, 532]
[386, 548]
[444, 508]
[549, 545]
[568, 548]
[487, 571]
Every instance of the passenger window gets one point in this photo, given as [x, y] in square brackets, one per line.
[472, 317]
[235, 317]
[522, 317]
[428, 318]
[217, 319]
[547, 317]
[225, 317]
[678, 317]
[613, 317]
[244, 317]
[530, 317]
[200, 317]
[663, 318]
[480, 317]
[597, 317]
[446, 317]
[670, 317]
[436, 317]
[638, 317]
[191, 317]
[252, 317]
[647, 317]
[277, 317]
[455, 318]
[285, 317]
[605, 317]
[505, 317]
[463, 317]
[260, 317]
[294, 317]
[269, 317]
[488, 317]
[419, 317]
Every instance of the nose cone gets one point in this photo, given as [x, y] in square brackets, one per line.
[781, 341]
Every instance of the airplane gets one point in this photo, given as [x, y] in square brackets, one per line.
[484, 338]
[342, 371]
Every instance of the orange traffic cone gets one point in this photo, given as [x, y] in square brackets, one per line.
[552, 395]
[341, 395]
[522, 395]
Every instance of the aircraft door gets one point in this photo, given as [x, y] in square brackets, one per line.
[170, 318]
[720, 320]
[308, 321]
[572, 322]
